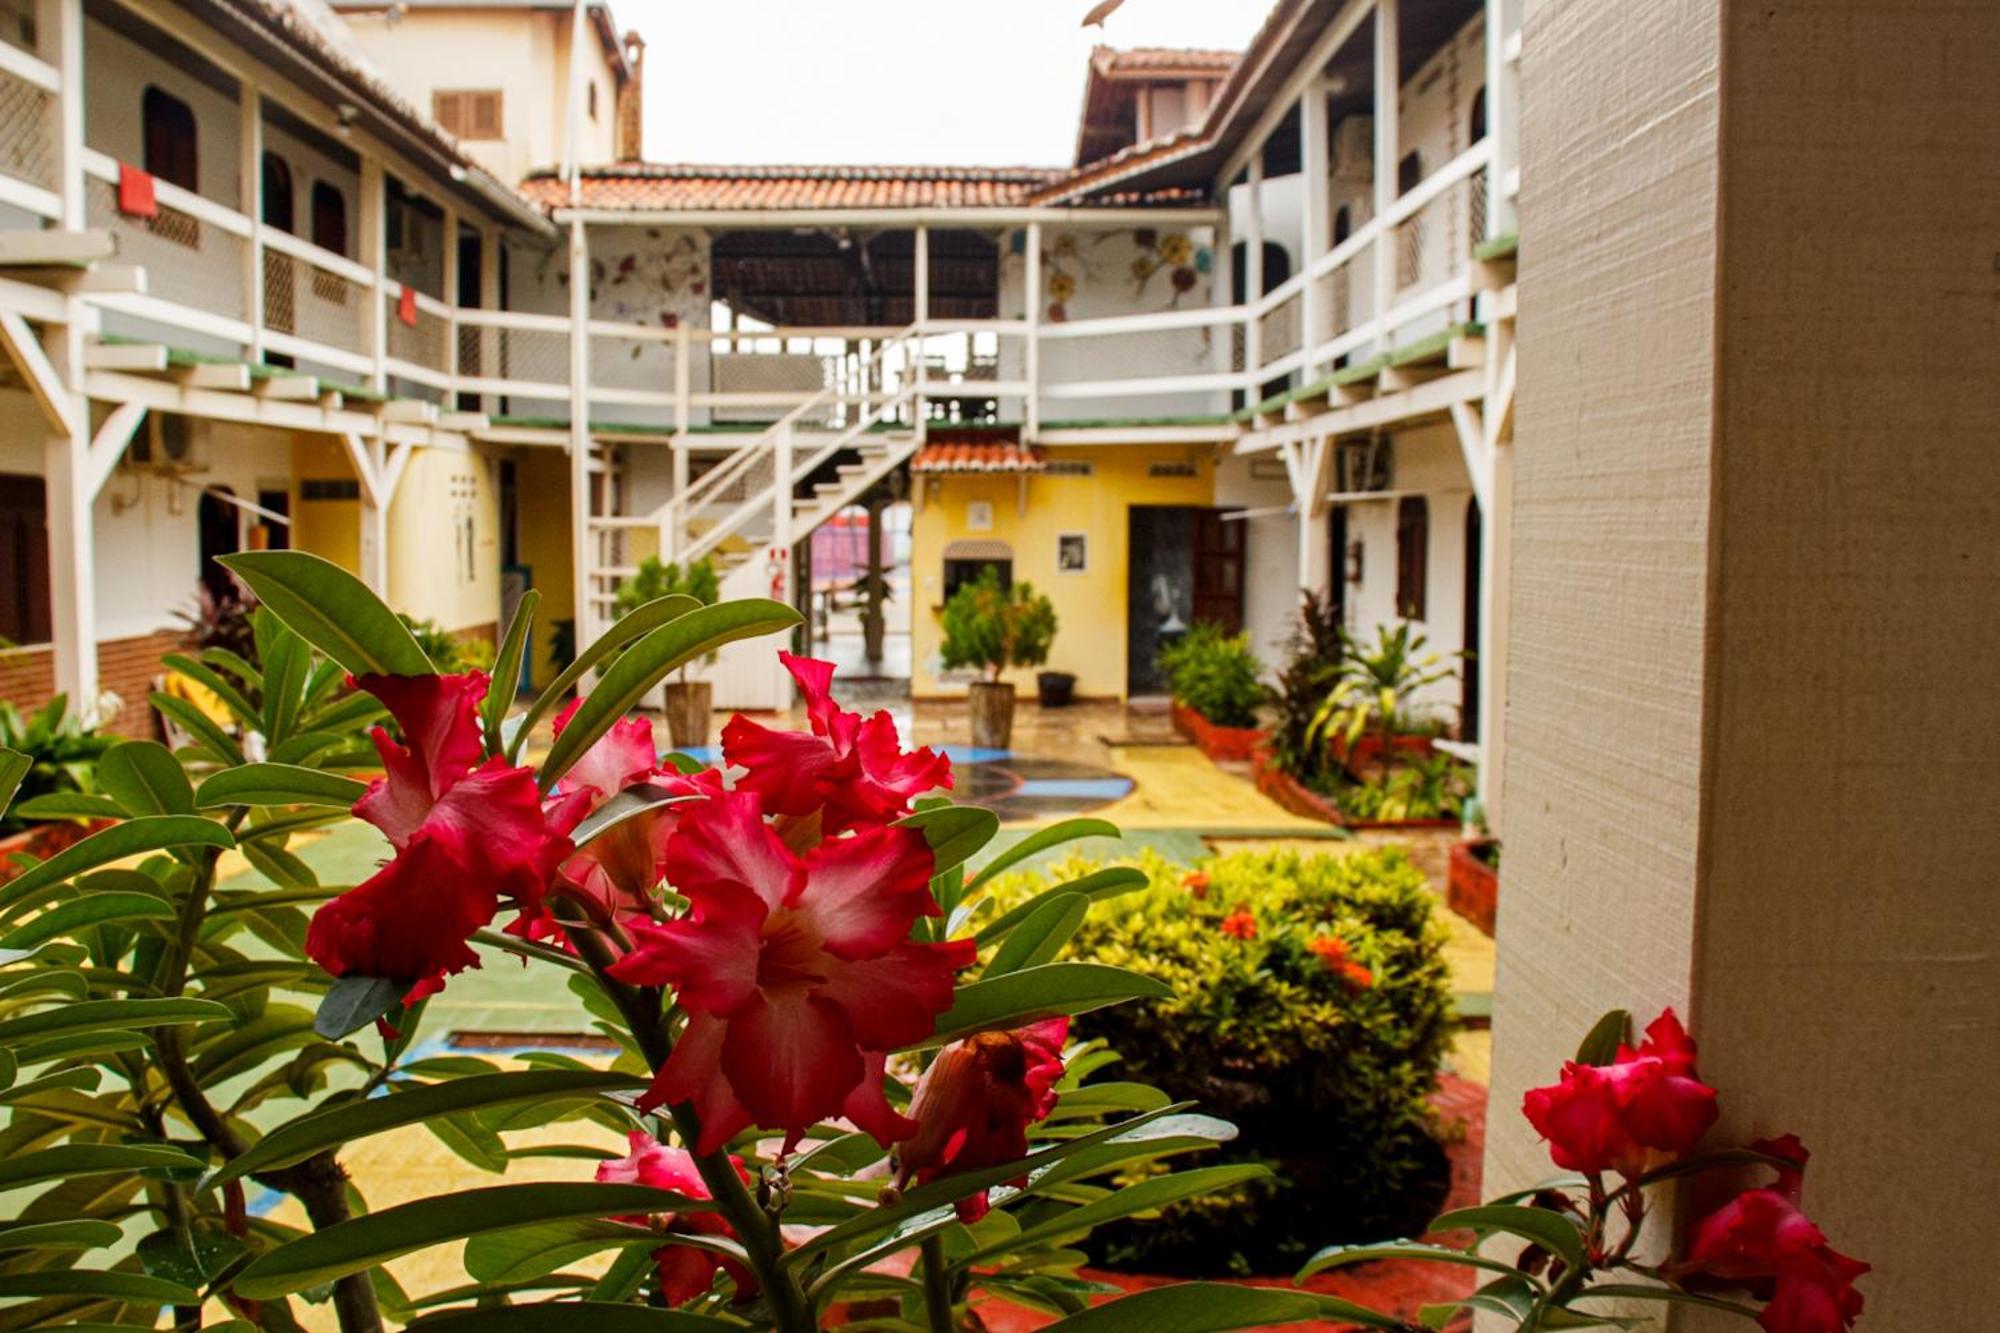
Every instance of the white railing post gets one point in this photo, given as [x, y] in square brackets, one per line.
[1253, 274]
[1387, 74]
[375, 255]
[489, 299]
[450, 297]
[1031, 425]
[1222, 291]
[251, 136]
[1315, 214]
[781, 509]
[582, 537]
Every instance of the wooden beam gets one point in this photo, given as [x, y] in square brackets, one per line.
[125, 356]
[108, 446]
[1395, 379]
[331, 399]
[96, 280]
[44, 382]
[1465, 353]
[28, 249]
[408, 409]
[292, 388]
[466, 421]
[226, 378]
[1471, 430]
[392, 471]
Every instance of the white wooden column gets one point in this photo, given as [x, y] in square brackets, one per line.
[1315, 214]
[921, 291]
[1502, 120]
[582, 538]
[1253, 273]
[1032, 282]
[781, 512]
[1222, 288]
[250, 134]
[66, 449]
[375, 521]
[491, 256]
[1388, 76]
[374, 254]
[450, 298]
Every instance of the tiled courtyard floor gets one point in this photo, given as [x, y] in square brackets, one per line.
[1179, 803]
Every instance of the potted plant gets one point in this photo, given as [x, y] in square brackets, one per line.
[1215, 680]
[1369, 714]
[59, 752]
[689, 704]
[992, 627]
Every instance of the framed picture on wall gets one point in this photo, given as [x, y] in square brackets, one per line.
[979, 516]
[1073, 553]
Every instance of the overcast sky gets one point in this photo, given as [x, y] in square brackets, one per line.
[900, 81]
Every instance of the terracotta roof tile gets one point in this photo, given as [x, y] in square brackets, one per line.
[1163, 59]
[977, 456]
[682, 187]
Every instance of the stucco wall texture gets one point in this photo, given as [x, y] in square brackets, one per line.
[1752, 697]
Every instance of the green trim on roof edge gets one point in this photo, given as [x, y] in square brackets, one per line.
[1500, 247]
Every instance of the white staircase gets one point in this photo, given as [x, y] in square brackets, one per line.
[745, 515]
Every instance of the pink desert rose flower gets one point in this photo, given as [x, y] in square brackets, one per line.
[796, 972]
[1643, 1109]
[622, 757]
[974, 1104]
[469, 838]
[853, 770]
[685, 1271]
[1762, 1241]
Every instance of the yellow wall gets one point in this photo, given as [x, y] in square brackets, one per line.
[541, 482]
[432, 574]
[330, 528]
[1090, 607]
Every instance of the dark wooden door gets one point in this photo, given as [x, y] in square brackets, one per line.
[24, 560]
[1218, 568]
[1469, 669]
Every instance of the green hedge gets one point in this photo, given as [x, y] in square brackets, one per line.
[1273, 1027]
[1215, 673]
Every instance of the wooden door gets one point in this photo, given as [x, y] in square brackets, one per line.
[1218, 568]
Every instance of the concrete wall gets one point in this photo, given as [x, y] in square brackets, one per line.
[1749, 759]
[444, 539]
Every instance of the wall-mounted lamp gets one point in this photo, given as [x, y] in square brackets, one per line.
[1356, 552]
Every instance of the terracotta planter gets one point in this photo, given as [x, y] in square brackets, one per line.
[1287, 791]
[992, 706]
[690, 708]
[1235, 744]
[43, 841]
[1472, 888]
[1367, 751]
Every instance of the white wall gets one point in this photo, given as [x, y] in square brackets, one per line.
[1271, 584]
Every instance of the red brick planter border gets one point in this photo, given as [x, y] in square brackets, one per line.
[43, 841]
[1472, 888]
[1287, 791]
[1237, 744]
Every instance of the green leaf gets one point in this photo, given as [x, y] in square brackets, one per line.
[1094, 887]
[1145, 1196]
[136, 1288]
[332, 610]
[199, 725]
[194, 1257]
[105, 1015]
[1616, 1291]
[1055, 835]
[353, 1002]
[310, 1134]
[507, 670]
[363, 1242]
[622, 631]
[648, 661]
[95, 909]
[81, 1234]
[1039, 992]
[954, 832]
[13, 767]
[1339, 1256]
[278, 784]
[938, 1193]
[577, 1317]
[537, 1251]
[1600, 1045]
[133, 837]
[145, 778]
[69, 805]
[89, 1159]
[85, 1080]
[1552, 1231]
[215, 683]
[1041, 937]
[1206, 1307]
[1709, 1161]
[287, 662]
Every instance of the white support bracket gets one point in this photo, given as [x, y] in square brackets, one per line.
[109, 444]
[1478, 451]
[44, 381]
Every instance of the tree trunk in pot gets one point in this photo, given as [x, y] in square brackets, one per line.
[992, 713]
[689, 708]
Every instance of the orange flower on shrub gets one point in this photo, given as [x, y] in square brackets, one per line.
[1331, 950]
[1239, 924]
[1196, 882]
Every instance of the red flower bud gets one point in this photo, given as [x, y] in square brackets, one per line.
[974, 1104]
[685, 1272]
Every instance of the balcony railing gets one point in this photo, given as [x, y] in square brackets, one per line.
[207, 267]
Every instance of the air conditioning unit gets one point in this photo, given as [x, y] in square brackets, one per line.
[170, 443]
[1354, 149]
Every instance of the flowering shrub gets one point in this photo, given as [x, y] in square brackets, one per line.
[1311, 1006]
[1626, 1119]
[817, 1075]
